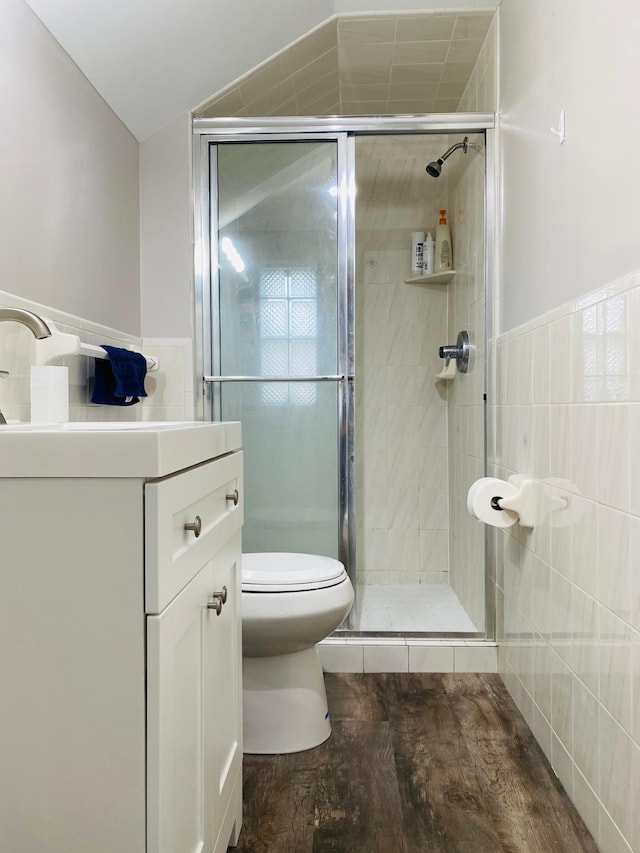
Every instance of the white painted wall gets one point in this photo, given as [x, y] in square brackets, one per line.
[570, 213]
[166, 251]
[69, 232]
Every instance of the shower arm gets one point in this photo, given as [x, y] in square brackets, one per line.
[453, 148]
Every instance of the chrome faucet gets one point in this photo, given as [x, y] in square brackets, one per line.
[34, 323]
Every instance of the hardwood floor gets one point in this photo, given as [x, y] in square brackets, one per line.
[415, 764]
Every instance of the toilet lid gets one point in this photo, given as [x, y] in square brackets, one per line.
[285, 572]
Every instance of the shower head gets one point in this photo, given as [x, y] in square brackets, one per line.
[435, 167]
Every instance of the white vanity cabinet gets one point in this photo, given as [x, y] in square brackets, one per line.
[120, 641]
[194, 709]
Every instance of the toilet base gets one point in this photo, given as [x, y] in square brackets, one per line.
[284, 703]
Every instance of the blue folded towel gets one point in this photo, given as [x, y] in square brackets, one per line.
[119, 380]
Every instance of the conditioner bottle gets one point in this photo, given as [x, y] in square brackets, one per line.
[444, 255]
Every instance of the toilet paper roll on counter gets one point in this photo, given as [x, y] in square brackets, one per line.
[481, 495]
[49, 394]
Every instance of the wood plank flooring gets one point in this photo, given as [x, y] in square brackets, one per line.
[416, 763]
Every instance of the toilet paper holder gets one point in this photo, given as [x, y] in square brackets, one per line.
[533, 503]
[523, 503]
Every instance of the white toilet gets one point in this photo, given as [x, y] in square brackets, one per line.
[289, 603]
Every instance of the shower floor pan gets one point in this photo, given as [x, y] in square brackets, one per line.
[411, 607]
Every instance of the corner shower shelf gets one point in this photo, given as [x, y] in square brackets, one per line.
[435, 278]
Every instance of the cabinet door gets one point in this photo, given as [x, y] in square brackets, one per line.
[175, 722]
[194, 713]
[223, 698]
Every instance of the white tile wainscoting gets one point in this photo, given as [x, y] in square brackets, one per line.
[568, 413]
[357, 654]
[17, 354]
[170, 388]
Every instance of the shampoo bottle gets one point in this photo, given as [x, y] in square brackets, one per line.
[444, 255]
[428, 255]
[417, 243]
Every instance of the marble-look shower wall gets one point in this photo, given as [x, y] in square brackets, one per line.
[402, 500]
[467, 311]
[466, 294]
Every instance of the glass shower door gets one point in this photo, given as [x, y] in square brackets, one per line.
[278, 353]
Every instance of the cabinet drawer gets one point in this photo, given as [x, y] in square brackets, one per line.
[173, 553]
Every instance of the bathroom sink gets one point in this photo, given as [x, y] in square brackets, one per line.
[119, 425]
[112, 448]
[93, 426]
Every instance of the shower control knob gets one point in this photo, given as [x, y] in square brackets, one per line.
[234, 496]
[195, 526]
[460, 351]
[449, 351]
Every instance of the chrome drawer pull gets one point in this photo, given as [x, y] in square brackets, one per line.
[196, 526]
[216, 604]
[219, 598]
[234, 496]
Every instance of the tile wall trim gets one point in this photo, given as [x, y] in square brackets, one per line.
[395, 654]
[614, 288]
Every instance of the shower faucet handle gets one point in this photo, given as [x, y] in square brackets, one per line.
[449, 351]
[460, 352]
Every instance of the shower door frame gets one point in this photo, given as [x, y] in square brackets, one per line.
[208, 132]
[208, 293]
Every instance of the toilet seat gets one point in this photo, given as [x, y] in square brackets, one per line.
[285, 572]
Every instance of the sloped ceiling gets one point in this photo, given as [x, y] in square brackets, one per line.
[153, 60]
[358, 65]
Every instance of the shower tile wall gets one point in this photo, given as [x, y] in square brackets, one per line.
[402, 481]
[466, 311]
[465, 402]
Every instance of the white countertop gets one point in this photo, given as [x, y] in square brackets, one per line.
[112, 449]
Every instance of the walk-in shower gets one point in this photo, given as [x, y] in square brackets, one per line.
[316, 335]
